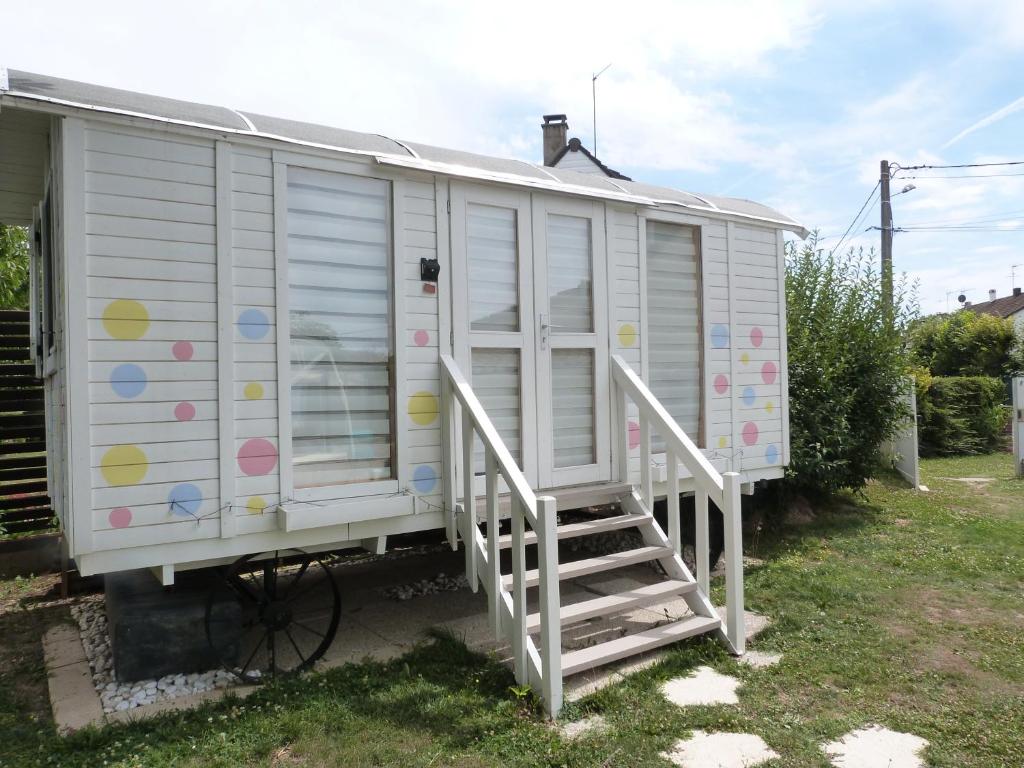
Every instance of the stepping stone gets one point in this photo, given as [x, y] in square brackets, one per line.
[760, 659]
[579, 729]
[720, 750]
[873, 746]
[704, 687]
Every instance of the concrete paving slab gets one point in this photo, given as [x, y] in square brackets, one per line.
[580, 686]
[720, 750]
[73, 698]
[702, 687]
[579, 729]
[875, 745]
[62, 645]
[753, 623]
[760, 659]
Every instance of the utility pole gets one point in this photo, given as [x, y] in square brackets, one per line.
[886, 235]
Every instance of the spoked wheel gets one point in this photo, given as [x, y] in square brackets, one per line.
[272, 614]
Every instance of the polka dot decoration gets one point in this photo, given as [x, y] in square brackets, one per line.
[768, 372]
[749, 396]
[124, 465]
[256, 505]
[253, 391]
[769, 407]
[720, 336]
[257, 457]
[745, 358]
[627, 335]
[120, 517]
[721, 384]
[128, 380]
[183, 351]
[634, 435]
[750, 433]
[756, 337]
[771, 454]
[185, 499]
[421, 338]
[424, 478]
[126, 319]
[184, 411]
[423, 408]
[723, 442]
[253, 324]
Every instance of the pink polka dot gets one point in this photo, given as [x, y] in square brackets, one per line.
[182, 350]
[121, 517]
[768, 371]
[721, 384]
[421, 338]
[756, 336]
[634, 435]
[257, 456]
[184, 411]
[750, 433]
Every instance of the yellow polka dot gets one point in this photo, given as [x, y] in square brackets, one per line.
[769, 406]
[124, 465]
[722, 442]
[745, 358]
[254, 391]
[423, 408]
[627, 335]
[126, 319]
[256, 505]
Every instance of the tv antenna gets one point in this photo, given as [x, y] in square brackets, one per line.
[593, 94]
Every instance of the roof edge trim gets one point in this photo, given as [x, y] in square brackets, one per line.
[245, 119]
[4, 82]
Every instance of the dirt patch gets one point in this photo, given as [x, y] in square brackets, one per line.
[901, 522]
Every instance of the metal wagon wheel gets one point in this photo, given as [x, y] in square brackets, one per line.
[272, 614]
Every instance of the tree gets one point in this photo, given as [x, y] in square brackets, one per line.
[14, 267]
[847, 365]
[965, 344]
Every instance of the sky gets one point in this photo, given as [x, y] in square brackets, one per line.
[792, 104]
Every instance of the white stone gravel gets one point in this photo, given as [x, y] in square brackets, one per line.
[117, 697]
[440, 583]
[704, 687]
[875, 745]
[720, 750]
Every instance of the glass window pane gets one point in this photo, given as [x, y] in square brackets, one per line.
[493, 268]
[673, 318]
[572, 383]
[496, 384]
[340, 323]
[570, 280]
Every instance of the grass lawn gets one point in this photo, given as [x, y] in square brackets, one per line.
[899, 608]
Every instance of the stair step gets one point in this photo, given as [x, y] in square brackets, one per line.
[575, 662]
[567, 497]
[595, 565]
[575, 530]
[606, 605]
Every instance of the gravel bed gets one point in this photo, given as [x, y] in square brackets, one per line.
[117, 697]
[440, 583]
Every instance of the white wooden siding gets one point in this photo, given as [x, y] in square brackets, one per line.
[579, 162]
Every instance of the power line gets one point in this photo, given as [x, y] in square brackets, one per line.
[857, 218]
[967, 176]
[961, 165]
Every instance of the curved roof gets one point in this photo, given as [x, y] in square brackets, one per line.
[386, 150]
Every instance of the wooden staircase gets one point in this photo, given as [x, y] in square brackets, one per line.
[538, 656]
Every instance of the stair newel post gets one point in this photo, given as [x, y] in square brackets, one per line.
[448, 461]
[735, 625]
[550, 602]
[493, 552]
[701, 541]
[646, 484]
[519, 593]
[469, 499]
[622, 433]
[672, 500]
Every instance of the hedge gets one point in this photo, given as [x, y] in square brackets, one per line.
[960, 415]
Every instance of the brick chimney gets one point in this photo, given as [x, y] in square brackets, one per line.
[1016, 291]
[556, 130]
[991, 294]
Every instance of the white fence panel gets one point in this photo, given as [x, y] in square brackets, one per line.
[902, 448]
[1018, 425]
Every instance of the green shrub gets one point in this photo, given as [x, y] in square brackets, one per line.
[964, 344]
[960, 415]
[847, 366]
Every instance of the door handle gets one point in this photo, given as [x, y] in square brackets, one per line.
[545, 331]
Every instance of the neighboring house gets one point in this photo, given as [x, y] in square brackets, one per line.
[1006, 307]
[571, 155]
[259, 334]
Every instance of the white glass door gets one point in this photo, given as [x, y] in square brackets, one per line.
[570, 279]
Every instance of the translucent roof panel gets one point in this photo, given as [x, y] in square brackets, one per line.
[322, 134]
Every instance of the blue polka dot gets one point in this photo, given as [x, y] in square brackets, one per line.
[185, 500]
[253, 324]
[424, 478]
[128, 380]
[749, 396]
[720, 336]
[771, 454]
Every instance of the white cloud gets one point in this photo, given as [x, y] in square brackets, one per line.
[1000, 114]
